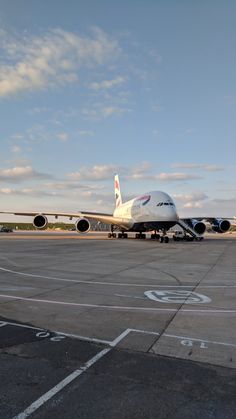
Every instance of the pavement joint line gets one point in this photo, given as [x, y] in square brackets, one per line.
[85, 338]
[181, 309]
[111, 283]
[111, 307]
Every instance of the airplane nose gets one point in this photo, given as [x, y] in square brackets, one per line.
[172, 214]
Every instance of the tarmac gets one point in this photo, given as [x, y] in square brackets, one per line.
[93, 327]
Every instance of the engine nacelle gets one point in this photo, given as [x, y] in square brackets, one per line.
[40, 221]
[220, 226]
[198, 226]
[82, 225]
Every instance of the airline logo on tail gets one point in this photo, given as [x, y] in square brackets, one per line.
[117, 192]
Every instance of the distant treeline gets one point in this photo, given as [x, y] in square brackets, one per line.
[95, 226]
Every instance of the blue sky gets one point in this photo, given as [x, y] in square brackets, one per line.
[145, 89]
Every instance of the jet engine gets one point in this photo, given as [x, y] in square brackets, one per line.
[40, 221]
[82, 225]
[220, 226]
[198, 226]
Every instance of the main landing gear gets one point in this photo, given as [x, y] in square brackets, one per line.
[121, 235]
[112, 235]
[155, 236]
[140, 236]
[164, 238]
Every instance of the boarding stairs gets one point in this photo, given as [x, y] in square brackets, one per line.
[186, 227]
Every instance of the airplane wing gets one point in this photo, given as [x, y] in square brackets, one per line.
[105, 218]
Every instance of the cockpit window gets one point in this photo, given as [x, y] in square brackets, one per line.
[165, 203]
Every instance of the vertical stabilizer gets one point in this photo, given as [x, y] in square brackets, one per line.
[117, 192]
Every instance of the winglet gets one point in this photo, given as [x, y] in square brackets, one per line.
[117, 192]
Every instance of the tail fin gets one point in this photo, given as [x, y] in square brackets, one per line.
[117, 192]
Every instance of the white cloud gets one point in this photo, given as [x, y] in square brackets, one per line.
[98, 111]
[102, 172]
[27, 192]
[85, 133]
[107, 84]
[139, 172]
[199, 196]
[17, 136]
[156, 108]
[63, 136]
[207, 167]
[55, 58]
[193, 205]
[17, 174]
[167, 177]
[192, 200]
[16, 149]
[6, 191]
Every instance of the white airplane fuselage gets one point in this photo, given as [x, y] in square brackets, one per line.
[148, 211]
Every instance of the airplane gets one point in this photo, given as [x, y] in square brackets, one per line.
[152, 211]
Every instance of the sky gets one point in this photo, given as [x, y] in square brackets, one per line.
[143, 89]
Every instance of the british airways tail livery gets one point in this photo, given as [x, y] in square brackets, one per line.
[153, 211]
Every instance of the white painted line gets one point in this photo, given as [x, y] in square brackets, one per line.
[69, 335]
[119, 338]
[47, 396]
[120, 284]
[130, 296]
[3, 324]
[17, 298]
[25, 326]
[125, 333]
[207, 311]
[110, 307]
[144, 331]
